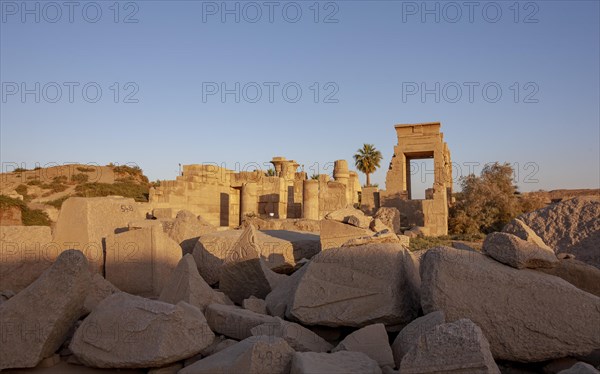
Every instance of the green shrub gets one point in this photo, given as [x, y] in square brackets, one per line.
[6, 202]
[427, 242]
[36, 182]
[85, 169]
[35, 217]
[125, 189]
[58, 202]
[19, 170]
[80, 178]
[21, 190]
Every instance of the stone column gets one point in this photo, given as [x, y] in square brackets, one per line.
[342, 175]
[310, 199]
[249, 203]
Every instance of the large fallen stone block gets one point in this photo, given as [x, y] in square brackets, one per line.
[234, 321]
[287, 224]
[85, 221]
[343, 362]
[457, 347]
[580, 368]
[255, 304]
[140, 261]
[99, 290]
[255, 355]
[334, 234]
[244, 273]
[187, 229]
[186, 284]
[371, 340]
[25, 253]
[37, 320]
[571, 226]
[526, 315]
[351, 216]
[298, 337]
[353, 286]
[579, 274]
[390, 217]
[518, 253]
[411, 333]
[520, 229]
[278, 250]
[126, 331]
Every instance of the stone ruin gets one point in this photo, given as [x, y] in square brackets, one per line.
[224, 197]
[416, 141]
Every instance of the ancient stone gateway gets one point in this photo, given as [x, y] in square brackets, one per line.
[224, 197]
[416, 141]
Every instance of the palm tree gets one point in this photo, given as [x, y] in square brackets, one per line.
[367, 160]
[270, 173]
[314, 177]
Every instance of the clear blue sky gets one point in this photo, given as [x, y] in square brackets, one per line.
[372, 56]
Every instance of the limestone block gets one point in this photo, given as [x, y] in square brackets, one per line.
[521, 230]
[343, 362]
[186, 284]
[140, 261]
[84, 222]
[581, 275]
[25, 253]
[518, 253]
[99, 290]
[234, 321]
[354, 217]
[255, 304]
[371, 340]
[525, 319]
[449, 348]
[411, 333]
[390, 217]
[36, 321]
[580, 368]
[298, 337]
[334, 234]
[126, 331]
[187, 228]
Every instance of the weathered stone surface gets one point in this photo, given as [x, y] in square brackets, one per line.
[371, 340]
[377, 226]
[334, 233]
[278, 300]
[140, 261]
[579, 274]
[186, 284]
[99, 290]
[37, 320]
[458, 347]
[25, 253]
[289, 224]
[343, 362]
[255, 355]
[212, 249]
[126, 331]
[571, 226]
[353, 286]
[580, 368]
[84, 222]
[390, 217]
[385, 236]
[171, 369]
[304, 244]
[358, 218]
[255, 304]
[234, 321]
[244, 272]
[187, 228]
[526, 315]
[518, 253]
[299, 338]
[520, 229]
[410, 334]
[220, 343]
[162, 213]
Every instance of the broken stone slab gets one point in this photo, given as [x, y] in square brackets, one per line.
[524, 319]
[36, 321]
[244, 272]
[25, 253]
[342, 362]
[353, 286]
[377, 225]
[371, 340]
[256, 354]
[390, 217]
[99, 290]
[351, 216]
[570, 226]
[580, 368]
[162, 213]
[219, 344]
[140, 262]
[278, 251]
[454, 347]
[298, 337]
[127, 331]
[513, 251]
[186, 284]
[410, 334]
[234, 321]
[187, 228]
[304, 244]
[255, 304]
[287, 224]
[334, 234]
[520, 229]
[84, 222]
[385, 236]
[581, 275]
[278, 300]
